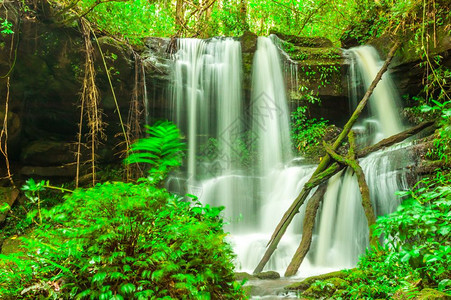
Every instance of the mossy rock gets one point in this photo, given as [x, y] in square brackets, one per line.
[302, 41]
[240, 276]
[11, 245]
[248, 42]
[326, 288]
[9, 196]
[428, 294]
[268, 275]
[248, 290]
[14, 125]
[306, 283]
[47, 153]
[307, 53]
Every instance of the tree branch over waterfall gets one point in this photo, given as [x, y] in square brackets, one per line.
[307, 231]
[324, 165]
[352, 162]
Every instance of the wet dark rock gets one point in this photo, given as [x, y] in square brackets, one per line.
[268, 275]
[48, 153]
[9, 196]
[248, 42]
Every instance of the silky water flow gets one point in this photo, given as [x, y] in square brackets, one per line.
[240, 153]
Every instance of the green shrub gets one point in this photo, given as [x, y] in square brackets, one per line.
[416, 251]
[305, 132]
[124, 241]
[162, 150]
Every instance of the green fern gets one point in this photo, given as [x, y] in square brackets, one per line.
[162, 149]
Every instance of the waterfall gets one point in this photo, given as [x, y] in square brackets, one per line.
[270, 107]
[343, 233]
[240, 156]
[207, 87]
[384, 103]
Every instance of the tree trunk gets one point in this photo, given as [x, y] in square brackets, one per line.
[396, 138]
[352, 162]
[307, 231]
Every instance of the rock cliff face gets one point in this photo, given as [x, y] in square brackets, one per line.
[45, 61]
[47, 66]
[406, 66]
[321, 72]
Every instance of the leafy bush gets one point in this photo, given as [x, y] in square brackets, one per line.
[124, 241]
[420, 229]
[416, 252]
[306, 132]
[162, 150]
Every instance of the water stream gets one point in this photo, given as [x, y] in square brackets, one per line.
[239, 154]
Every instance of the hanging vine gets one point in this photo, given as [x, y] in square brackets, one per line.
[90, 108]
[135, 111]
[7, 76]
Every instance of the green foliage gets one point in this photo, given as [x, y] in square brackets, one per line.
[306, 132]
[162, 150]
[5, 27]
[123, 241]
[416, 252]
[420, 230]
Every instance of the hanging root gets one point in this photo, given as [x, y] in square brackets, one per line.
[90, 102]
[4, 137]
[4, 131]
[134, 114]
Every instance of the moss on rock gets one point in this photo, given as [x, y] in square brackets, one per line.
[306, 283]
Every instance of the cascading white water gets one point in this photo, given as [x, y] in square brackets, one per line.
[206, 78]
[208, 103]
[342, 239]
[343, 233]
[383, 104]
[269, 107]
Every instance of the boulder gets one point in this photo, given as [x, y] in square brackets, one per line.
[306, 283]
[240, 276]
[268, 275]
[7, 196]
[48, 153]
[47, 172]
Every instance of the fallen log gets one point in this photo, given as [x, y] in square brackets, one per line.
[294, 208]
[307, 231]
[394, 139]
[334, 168]
[352, 162]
